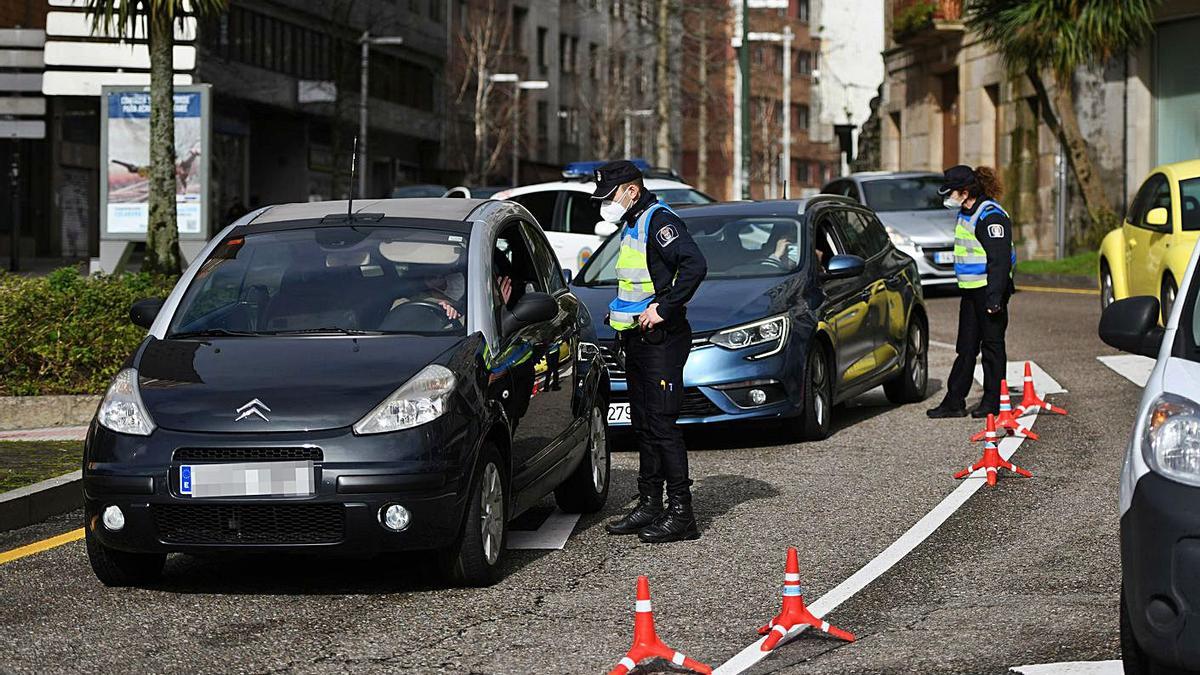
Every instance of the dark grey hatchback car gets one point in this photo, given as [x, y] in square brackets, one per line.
[410, 377]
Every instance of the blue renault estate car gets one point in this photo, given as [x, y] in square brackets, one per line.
[807, 303]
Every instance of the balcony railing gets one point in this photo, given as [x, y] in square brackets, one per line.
[915, 21]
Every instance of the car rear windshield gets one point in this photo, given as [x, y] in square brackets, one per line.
[735, 248]
[346, 280]
[917, 193]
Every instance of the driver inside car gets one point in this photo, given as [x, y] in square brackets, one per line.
[780, 248]
[448, 290]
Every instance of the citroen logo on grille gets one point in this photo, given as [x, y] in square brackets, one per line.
[253, 407]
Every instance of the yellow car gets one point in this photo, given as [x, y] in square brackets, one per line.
[1149, 253]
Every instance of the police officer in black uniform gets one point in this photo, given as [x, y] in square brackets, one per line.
[659, 268]
[984, 258]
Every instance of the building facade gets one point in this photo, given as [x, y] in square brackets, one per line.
[948, 99]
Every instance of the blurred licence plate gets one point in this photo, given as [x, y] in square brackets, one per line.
[250, 479]
[943, 257]
[618, 413]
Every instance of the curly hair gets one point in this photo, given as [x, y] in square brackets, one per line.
[988, 183]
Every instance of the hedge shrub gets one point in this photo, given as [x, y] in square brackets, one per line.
[65, 333]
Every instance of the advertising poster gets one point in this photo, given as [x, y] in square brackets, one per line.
[127, 158]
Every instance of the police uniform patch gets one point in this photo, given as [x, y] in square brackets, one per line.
[996, 231]
[667, 234]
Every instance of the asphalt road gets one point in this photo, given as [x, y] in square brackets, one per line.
[1027, 572]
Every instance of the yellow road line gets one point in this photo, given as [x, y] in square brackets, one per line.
[39, 546]
[1056, 289]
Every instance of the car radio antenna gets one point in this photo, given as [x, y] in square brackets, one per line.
[353, 165]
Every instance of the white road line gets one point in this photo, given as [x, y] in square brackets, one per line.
[908, 541]
[552, 535]
[1072, 668]
[942, 345]
[47, 434]
[1133, 367]
[1016, 380]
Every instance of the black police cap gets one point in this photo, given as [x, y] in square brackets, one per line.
[613, 175]
[956, 178]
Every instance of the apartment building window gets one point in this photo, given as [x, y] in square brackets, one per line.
[542, 34]
[800, 116]
[519, 15]
[543, 128]
[639, 74]
[563, 45]
[594, 60]
[804, 63]
[758, 55]
[801, 8]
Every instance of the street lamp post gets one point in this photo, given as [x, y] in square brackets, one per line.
[514, 79]
[365, 65]
[629, 115]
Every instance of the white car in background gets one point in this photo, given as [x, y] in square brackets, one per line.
[1160, 484]
[571, 218]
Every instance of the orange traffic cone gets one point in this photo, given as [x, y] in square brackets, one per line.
[1030, 399]
[991, 460]
[646, 643]
[794, 612]
[1007, 420]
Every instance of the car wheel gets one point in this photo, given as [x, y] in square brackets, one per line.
[1107, 294]
[586, 489]
[122, 568]
[1167, 297]
[476, 559]
[911, 383]
[818, 395]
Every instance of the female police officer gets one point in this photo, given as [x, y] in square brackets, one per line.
[984, 258]
[659, 268]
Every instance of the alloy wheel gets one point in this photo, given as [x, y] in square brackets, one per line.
[599, 451]
[1106, 290]
[917, 355]
[491, 506]
[818, 383]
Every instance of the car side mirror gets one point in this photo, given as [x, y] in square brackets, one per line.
[568, 275]
[533, 307]
[604, 228]
[143, 312]
[843, 267]
[1131, 325]
[1158, 217]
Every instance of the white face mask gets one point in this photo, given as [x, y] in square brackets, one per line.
[456, 286]
[952, 202]
[612, 210]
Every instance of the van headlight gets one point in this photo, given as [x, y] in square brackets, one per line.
[773, 329]
[1171, 438]
[422, 399]
[122, 409]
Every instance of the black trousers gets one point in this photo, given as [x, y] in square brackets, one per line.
[654, 372]
[978, 332]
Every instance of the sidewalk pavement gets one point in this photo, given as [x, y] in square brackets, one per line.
[46, 434]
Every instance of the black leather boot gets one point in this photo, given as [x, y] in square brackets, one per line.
[985, 409]
[946, 409]
[675, 524]
[648, 509]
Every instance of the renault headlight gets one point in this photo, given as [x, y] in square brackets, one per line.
[422, 399]
[1171, 438]
[122, 409]
[773, 329]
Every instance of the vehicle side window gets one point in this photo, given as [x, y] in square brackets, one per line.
[1159, 197]
[545, 260]
[853, 232]
[581, 213]
[876, 237]
[1141, 201]
[825, 243]
[1189, 198]
[541, 205]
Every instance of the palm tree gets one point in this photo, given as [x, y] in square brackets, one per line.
[1058, 36]
[123, 18]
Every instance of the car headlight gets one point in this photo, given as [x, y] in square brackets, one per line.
[773, 329]
[422, 399]
[1171, 438]
[899, 238]
[122, 409]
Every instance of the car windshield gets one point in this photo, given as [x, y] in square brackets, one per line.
[333, 280]
[736, 247]
[918, 193]
[678, 197]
